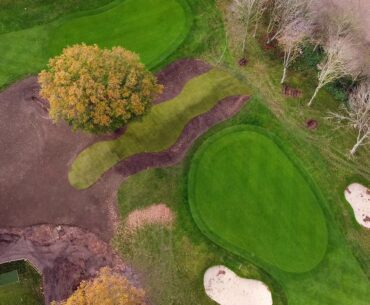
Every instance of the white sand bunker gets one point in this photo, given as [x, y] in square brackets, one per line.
[358, 197]
[154, 214]
[226, 288]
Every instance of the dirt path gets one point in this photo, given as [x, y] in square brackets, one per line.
[64, 255]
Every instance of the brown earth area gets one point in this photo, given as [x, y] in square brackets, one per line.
[63, 255]
[35, 156]
[34, 189]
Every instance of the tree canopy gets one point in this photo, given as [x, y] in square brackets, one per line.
[97, 90]
[108, 288]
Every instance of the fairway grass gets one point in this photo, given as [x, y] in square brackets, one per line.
[159, 129]
[137, 25]
[248, 196]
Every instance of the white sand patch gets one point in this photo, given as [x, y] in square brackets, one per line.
[358, 197]
[154, 214]
[226, 288]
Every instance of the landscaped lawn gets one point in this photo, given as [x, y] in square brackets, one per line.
[251, 198]
[26, 291]
[137, 25]
[159, 129]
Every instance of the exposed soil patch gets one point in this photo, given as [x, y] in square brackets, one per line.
[311, 124]
[154, 214]
[64, 255]
[243, 62]
[35, 157]
[176, 75]
[224, 110]
[291, 92]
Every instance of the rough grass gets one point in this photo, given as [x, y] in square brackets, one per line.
[8, 277]
[158, 130]
[253, 199]
[26, 291]
[120, 23]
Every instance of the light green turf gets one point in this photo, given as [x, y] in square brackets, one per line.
[9, 277]
[250, 198]
[138, 25]
[158, 130]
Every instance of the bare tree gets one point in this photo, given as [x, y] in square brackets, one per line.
[284, 13]
[248, 12]
[338, 61]
[291, 39]
[357, 114]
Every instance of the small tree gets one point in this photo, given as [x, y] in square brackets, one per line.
[357, 115]
[336, 63]
[248, 12]
[97, 90]
[291, 39]
[107, 288]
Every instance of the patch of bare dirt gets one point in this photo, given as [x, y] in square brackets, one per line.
[155, 214]
[36, 154]
[64, 255]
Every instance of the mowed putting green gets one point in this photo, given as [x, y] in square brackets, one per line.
[159, 129]
[152, 28]
[248, 196]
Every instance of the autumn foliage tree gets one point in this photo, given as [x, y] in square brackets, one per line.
[97, 90]
[108, 288]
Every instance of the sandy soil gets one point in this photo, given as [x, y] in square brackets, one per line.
[226, 288]
[358, 196]
[154, 214]
[63, 255]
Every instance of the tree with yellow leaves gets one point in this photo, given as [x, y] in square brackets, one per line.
[97, 90]
[107, 288]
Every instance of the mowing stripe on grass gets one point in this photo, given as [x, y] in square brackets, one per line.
[159, 129]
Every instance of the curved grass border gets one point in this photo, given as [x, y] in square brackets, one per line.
[189, 20]
[39, 37]
[213, 236]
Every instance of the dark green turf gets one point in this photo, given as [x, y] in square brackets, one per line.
[9, 277]
[250, 198]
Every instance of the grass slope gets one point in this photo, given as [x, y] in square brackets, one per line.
[137, 25]
[158, 130]
[249, 197]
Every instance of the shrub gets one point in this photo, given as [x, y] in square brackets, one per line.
[107, 288]
[97, 90]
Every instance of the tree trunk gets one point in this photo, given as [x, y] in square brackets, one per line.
[245, 38]
[313, 97]
[357, 145]
[284, 76]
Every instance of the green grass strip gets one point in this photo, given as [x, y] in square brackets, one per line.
[159, 129]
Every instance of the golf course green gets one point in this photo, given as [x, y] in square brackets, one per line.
[250, 197]
[137, 25]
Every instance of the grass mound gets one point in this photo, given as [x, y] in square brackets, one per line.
[248, 196]
[158, 130]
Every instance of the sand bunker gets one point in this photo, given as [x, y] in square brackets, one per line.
[226, 288]
[358, 197]
[154, 214]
